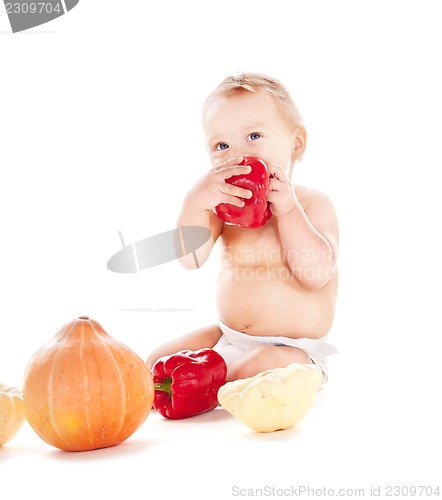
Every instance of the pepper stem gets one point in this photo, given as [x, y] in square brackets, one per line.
[165, 385]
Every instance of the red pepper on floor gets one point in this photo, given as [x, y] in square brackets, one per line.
[187, 383]
[255, 212]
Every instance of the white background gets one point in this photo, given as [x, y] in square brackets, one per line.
[100, 132]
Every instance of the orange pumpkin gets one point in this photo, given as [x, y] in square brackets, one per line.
[84, 390]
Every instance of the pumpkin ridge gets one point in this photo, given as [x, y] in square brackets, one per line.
[100, 378]
[51, 397]
[121, 378]
[83, 346]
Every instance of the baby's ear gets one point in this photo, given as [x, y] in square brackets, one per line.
[299, 143]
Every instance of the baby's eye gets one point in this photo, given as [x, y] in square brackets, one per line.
[222, 146]
[253, 136]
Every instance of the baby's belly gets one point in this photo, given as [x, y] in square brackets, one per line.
[270, 301]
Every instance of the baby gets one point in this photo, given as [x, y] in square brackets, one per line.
[277, 286]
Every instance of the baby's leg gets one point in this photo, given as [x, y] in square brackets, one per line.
[265, 357]
[204, 337]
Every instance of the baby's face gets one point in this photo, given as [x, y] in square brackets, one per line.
[248, 124]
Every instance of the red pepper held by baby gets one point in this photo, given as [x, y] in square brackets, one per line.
[255, 212]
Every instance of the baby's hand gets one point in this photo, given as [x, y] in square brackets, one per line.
[281, 195]
[212, 189]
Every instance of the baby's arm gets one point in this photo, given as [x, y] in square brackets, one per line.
[309, 234]
[206, 194]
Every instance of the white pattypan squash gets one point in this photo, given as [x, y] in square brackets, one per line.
[272, 400]
[12, 416]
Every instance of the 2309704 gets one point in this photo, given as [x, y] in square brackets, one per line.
[33, 8]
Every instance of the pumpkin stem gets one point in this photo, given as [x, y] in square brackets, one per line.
[165, 386]
[83, 317]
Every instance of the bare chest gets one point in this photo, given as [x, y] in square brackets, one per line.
[252, 247]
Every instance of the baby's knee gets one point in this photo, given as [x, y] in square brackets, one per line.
[152, 359]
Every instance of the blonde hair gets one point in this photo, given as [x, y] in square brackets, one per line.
[257, 82]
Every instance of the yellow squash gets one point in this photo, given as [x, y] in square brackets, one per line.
[12, 416]
[272, 400]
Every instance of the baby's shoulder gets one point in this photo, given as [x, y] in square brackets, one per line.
[309, 196]
[319, 209]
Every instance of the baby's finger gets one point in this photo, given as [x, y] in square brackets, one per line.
[271, 197]
[232, 190]
[274, 184]
[228, 172]
[229, 163]
[232, 200]
[277, 172]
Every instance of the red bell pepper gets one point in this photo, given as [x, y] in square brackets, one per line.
[187, 382]
[255, 211]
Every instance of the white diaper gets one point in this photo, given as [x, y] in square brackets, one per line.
[233, 343]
